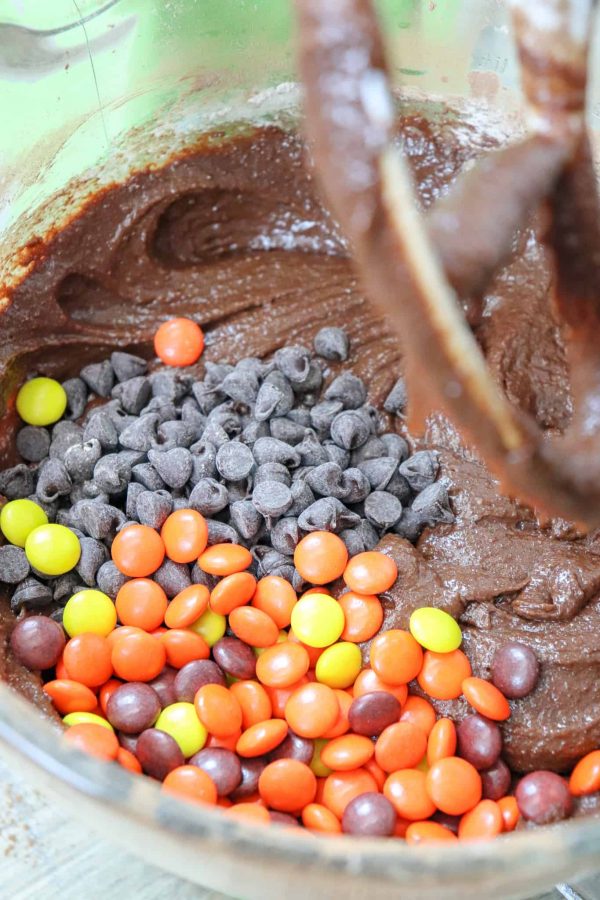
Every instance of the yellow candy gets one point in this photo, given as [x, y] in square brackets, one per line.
[339, 665]
[319, 768]
[282, 638]
[181, 722]
[211, 626]
[435, 630]
[318, 620]
[86, 718]
[18, 519]
[89, 611]
[41, 401]
[52, 549]
[423, 765]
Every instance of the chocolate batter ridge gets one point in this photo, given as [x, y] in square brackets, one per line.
[235, 235]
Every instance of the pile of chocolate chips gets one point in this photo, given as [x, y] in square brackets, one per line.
[266, 451]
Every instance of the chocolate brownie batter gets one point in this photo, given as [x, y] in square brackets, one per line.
[235, 235]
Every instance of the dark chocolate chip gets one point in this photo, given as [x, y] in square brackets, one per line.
[101, 426]
[395, 402]
[420, 469]
[294, 363]
[209, 497]
[271, 498]
[348, 389]
[146, 475]
[77, 396]
[285, 429]
[30, 594]
[234, 461]
[174, 466]
[332, 343]
[93, 554]
[242, 387]
[349, 429]
[109, 579]
[326, 480]
[246, 519]
[379, 471]
[327, 514]
[153, 507]
[53, 480]
[112, 473]
[395, 446]
[222, 533]
[173, 577]
[272, 472]
[322, 415]
[269, 449]
[33, 443]
[312, 452]
[80, 459]
[285, 535]
[99, 377]
[383, 510]
[126, 366]
[134, 394]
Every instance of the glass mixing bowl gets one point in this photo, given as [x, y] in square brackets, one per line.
[87, 99]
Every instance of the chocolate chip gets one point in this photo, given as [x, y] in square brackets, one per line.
[101, 426]
[173, 577]
[153, 507]
[174, 466]
[112, 473]
[373, 448]
[126, 366]
[311, 383]
[271, 498]
[327, 514]
[227, 417]
[302, 497]
[399, 487]
[53, 480]
[395, 402]
[332, 343]
[109, 579]
[163, 408]
[221, 533]
[199, 576]
[379, 471]
[382, 509]
[242, 387]
[191, 415]
[420, 469]
[216, 373]
[268, 449]
[208, 497]
[80, 459]
[433, 505]
[300, 415]
[409, 526]
[348, 389]
[175, 433]
[326, 480]
[97, 520]
[93, 554]
[254, 430]
[285, 429]
[272, 472]
[141, 434]
[395, 446]
[215, 434]
[275, 397]
[349, 429]
[65, 586]
[322, 415]
[234, 461]
[118, 416]
[246, 519]
[14, 565]
[64, 435]
[356, 486]
[238, 490]
[77, 396]
[99, 377]
[294, 362]
[134, 394]
[171, 386]
[336, 454]
[206, 397]
[30, 594]
[33, 443]
[285, 535]
[312, 452]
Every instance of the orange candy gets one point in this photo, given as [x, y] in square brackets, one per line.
[106, 692]
[312, 710]
[187, 606]
[183, 646]
[280, 696]
[428, 833]
[585, 777]
[400, 746]
[138, 657]
[351, 751]
[228, 743]
[442, 674]
[142, 603]
[368, 681]
[363, 614]
[93, 739]
[486, 699]
[317, 817]
[191, 783]
[138, 551]
[370, 573]
[231, 592]
[276, 597]
[396, 657]
[185, 535]
[262, 737]
[70, 696]
[407, 792]
[126, 759]
[313, 652]
[253, 626]
[484, 821]
[377, 772]
[321, 557]
[454, 785]
[251, 811]
[510, 812]
[282, 665]
[179, 342]
[218, 710]
[87, 659]
[287, 785]
[419, 712]
[122, 631]
[340, 788]
[225, 559]
[341, 724]
[254, 702]
[442, 741]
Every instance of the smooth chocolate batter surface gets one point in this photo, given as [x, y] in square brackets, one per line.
[235, 235]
